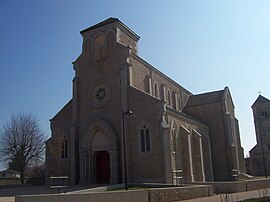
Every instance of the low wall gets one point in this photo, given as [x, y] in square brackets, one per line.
[147, 195]
[179, 193]
[10, 181]
[131, 196]
[238, 186]
[257, 184]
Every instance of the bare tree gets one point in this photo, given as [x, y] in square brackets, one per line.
[21, 142]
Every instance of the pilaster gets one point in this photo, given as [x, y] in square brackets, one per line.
[201, 154]
[190, 157]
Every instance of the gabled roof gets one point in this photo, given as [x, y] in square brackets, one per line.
[9, 171]
[109, 21]
[260, 100]
[205, 98]
[105, 22]
[187, 116]
[67, 106]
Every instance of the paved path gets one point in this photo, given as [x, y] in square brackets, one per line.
[7, 199]
[8, 194]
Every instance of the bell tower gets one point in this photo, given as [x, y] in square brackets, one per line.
[99, 94]
[105, 35]
[260, 158]
[261, 114]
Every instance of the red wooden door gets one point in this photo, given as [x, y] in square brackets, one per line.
[103, 167]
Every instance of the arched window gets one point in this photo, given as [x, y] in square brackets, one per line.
[64, 149]
[99, 46]
[169, 97]
[162, 92]
[87, 46]
[145, 139]
[147, 84]
[174, 100]
[264, 114]
[155, 90]
[179, 103]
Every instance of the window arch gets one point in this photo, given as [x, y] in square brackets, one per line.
[99, 46]
[145, 139]
[87, 46]
[179, 100]
[264, 114]
[147, 84]
[169, 97]
[174, 100]
[156, 90]
[173, 136]
[64, 148]
[162, 92]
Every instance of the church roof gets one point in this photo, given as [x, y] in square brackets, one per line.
[187, 116]
[260, 100]
[68, 106]
[205, 98]
[106, 22]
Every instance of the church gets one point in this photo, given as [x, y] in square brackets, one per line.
[127, 117]
[260, 153]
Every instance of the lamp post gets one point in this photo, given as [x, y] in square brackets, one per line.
[264, 163]
[125, 113]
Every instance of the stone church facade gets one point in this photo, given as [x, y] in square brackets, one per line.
[169, 128]
[260, 153]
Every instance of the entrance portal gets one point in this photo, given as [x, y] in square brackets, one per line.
[103, 167]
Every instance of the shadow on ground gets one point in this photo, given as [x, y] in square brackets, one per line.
[33, 190]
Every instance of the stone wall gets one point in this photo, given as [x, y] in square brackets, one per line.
[238, 186]
[144, 166]
[133, 196]
[151, 195]
[179, 193]
[145, 77]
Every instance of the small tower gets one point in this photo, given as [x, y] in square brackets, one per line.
[105, 35]
[260, 154]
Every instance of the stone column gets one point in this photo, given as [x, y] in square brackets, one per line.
[176, 102]
[164, 94]
[150, 86]
[210, 157]
[201, 154]
[89, 174]
[190, 157]
[113, 166]
[82, 168]
[74, 132]
[167, 155]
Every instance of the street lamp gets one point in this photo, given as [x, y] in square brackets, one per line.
[264, 163]
[125, 113]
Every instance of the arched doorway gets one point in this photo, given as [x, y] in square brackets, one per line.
[99, 158]
[103, 167]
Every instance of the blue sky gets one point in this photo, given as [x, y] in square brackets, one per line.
[203, 45]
